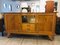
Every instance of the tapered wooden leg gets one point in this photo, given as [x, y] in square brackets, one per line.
[51, 37]
[8, 35]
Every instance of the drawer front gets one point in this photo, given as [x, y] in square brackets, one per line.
[32, 27]
[28, 27]
[24, 27]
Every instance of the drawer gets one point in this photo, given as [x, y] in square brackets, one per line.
[32, 27]
[28, 27]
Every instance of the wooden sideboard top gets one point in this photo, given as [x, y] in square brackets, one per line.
[32, 12]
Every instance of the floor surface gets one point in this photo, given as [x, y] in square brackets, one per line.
[29, 40]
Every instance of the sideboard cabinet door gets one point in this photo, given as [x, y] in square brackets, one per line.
[9, 22]
[18, 23]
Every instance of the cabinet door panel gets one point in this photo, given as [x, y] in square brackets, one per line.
[48, 23]
[36, 19]
[39, 27]
[17, 22]
[40, 19]
[9, 22]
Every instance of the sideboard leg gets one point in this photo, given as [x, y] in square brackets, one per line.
[8, 35]
[51, 37]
